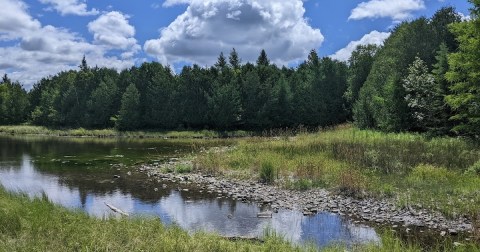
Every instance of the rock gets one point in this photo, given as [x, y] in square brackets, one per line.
[185, 190]
[443, 233]
[308, 213]
[116, 176]
[457, 244]
[264, 215]
[129, 173]
[155, 189]
[453, 232]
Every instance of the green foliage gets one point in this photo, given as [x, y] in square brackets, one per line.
[360, 64]
[464, 73]
[422, 95]
[14, 102]
[129, 115]
[183, 168]
[381, 102]
[474, 169]
[267, 172]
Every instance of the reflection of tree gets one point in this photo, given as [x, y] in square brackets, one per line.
[85, 163]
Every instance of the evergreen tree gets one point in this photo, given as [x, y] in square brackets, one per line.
[224, 106]
[234, 60]
[360, 64]
[443, 124]
[263, 59]
[464, 73]
[129, 115]
[100, 105]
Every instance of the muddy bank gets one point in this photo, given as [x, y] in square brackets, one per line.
[369, 210]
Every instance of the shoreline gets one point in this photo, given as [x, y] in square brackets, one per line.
[313, 201]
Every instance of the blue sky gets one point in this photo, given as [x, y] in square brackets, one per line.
[42, 37]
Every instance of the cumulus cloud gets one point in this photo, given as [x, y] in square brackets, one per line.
[374, 37]
[45, 50]
[113, 31]
[208, 27]
[71, 7]
[14, 20]
[394, 9]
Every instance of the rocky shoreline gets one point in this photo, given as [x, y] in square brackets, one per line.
[368, 210]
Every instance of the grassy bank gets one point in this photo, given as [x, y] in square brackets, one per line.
[38, 225]
[81, 132]
[439, 173]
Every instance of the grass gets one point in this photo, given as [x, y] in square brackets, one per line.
[436, 173]
[38, 225]
[104, 133]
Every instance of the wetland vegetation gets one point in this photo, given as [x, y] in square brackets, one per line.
[413, 140]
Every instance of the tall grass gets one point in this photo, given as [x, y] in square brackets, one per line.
[439, 173]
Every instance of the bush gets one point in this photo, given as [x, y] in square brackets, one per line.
[267, 172]
[474, 169]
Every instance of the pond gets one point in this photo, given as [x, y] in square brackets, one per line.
[79, 173]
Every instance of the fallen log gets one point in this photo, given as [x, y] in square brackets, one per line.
[116, 210]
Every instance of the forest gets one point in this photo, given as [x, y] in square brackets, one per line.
[425, 78]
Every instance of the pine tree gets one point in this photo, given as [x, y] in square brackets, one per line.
[263, 59]
[129, 115]
[234, 60]
[464, 73]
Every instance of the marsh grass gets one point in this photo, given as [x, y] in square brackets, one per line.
[108, 133]
[437, 173]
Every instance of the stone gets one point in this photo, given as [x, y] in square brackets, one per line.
[264, 215]
[453, 232]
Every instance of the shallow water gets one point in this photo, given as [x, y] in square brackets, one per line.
[79, 173]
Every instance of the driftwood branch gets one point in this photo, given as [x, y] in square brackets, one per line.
[116, 210]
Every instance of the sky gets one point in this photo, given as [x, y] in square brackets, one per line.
[39, 38]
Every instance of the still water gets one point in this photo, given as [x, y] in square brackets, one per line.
[78, 173]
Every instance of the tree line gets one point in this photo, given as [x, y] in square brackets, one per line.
[229, 95]
[425, 78]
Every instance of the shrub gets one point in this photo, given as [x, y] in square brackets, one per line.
[474, 169]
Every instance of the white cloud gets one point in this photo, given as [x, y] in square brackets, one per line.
[465, 17]
[14, 20]
[113, 31]
[374, 37]
[71, 7]
[394, 9]
[169, 3]
[45, 50]
[209, 27]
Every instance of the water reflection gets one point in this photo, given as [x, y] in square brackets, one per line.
[191, 210]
